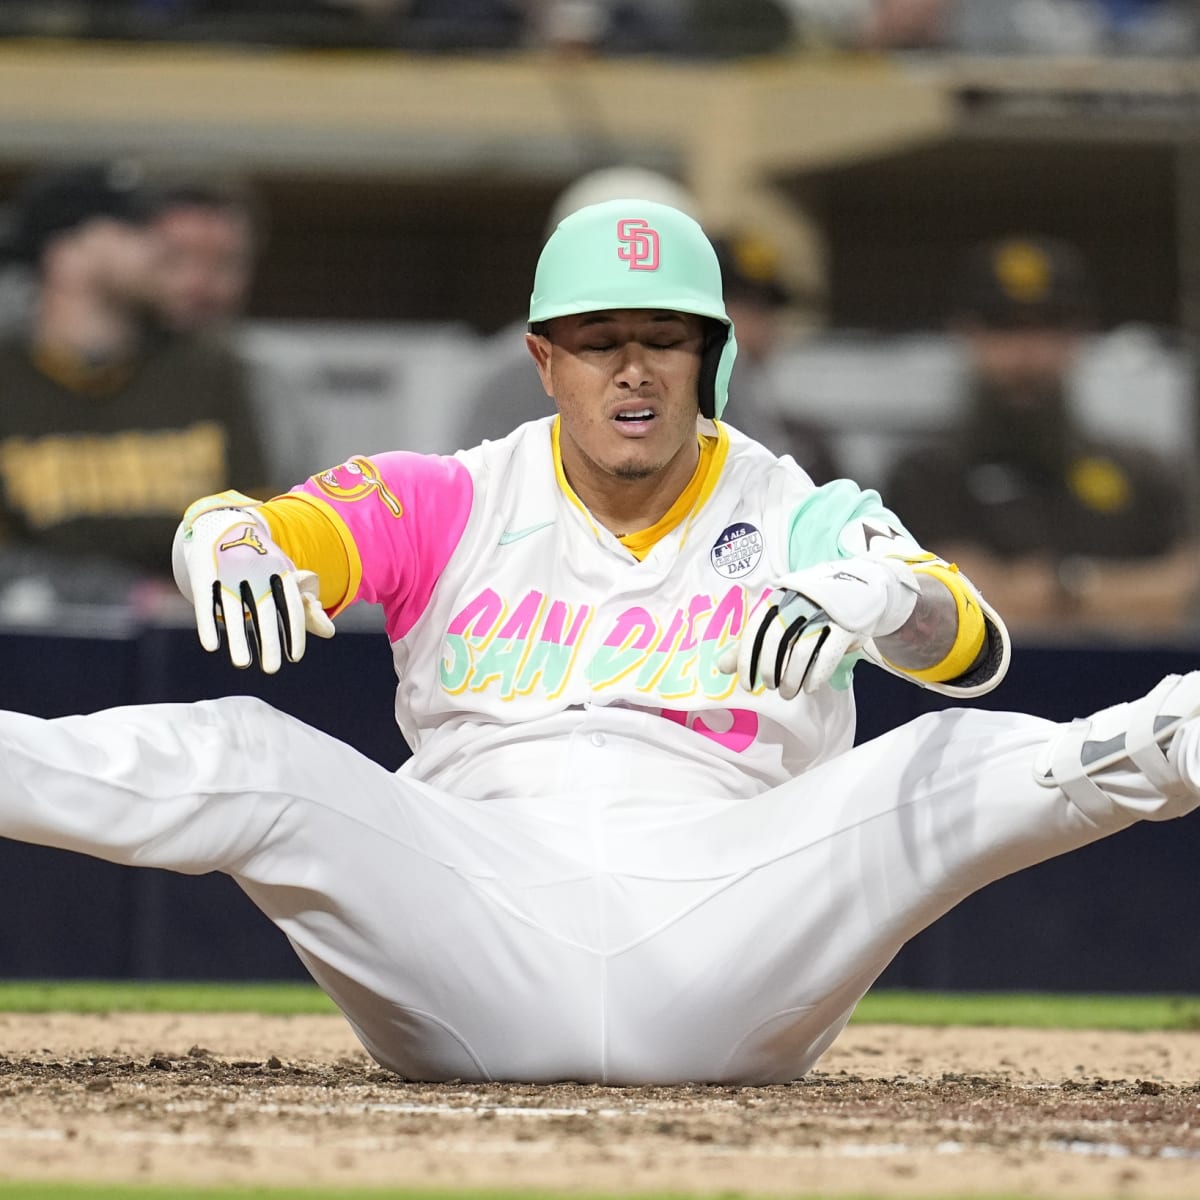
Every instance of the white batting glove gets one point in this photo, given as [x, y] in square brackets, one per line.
[227, 564]
[814, 618]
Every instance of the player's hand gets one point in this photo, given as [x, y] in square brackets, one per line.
[814, 617]
[240, 581]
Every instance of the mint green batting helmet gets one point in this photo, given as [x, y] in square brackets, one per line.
[638, 254]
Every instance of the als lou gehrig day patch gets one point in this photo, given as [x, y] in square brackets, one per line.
[737, 551]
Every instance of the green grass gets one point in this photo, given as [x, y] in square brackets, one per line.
[1031, 1011]
[98, 996]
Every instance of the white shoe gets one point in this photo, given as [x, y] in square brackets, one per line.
[1139, 732]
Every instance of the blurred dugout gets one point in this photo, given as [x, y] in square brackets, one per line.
[328, 390]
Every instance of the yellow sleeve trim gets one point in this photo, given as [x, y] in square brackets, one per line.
[972, 628]
[313, 535]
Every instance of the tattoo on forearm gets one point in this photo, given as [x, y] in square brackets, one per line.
[929, 634]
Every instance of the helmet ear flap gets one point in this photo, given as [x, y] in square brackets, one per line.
[715, 339]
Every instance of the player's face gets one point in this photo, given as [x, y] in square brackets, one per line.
[625, 384]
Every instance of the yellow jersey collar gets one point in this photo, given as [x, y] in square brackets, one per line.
[713, 451]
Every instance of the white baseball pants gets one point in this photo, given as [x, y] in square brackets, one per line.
[627, 939]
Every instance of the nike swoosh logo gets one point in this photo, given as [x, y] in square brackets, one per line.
[515, 535]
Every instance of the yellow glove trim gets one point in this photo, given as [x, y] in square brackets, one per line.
[230, 499]
[316, 539]
[972, 627]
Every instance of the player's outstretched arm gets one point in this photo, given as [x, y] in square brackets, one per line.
[909, 612]
[228, 565]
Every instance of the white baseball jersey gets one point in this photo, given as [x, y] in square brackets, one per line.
[602, 862]
[530, 614]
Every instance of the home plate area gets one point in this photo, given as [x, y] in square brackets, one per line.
[890, 1111]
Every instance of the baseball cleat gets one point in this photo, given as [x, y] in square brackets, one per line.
[1139, 732]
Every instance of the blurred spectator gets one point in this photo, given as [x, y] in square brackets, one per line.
[721, 29]
[591, 26]
[445, 25]
[437, 26]
[210, 229]
[1166, 27]
[755, 299]
[699, 28]
[904, 24]
[870, 24]
[617, 27]
[1061, 530]
[209, 233]
[109, 427]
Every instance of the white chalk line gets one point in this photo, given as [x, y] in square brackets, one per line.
[364, 1107]
[227, 1139]
[257, 1141]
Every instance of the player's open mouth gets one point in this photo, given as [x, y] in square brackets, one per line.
[634, 420]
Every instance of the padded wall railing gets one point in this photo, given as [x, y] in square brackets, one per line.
[1116, 916]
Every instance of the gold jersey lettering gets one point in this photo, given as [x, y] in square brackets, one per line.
[60, 477]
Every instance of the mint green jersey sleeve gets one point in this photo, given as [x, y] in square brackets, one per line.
[814, 536]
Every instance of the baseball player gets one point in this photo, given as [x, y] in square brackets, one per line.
[633, 843]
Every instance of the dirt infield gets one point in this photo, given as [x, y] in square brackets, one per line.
[892, 1111]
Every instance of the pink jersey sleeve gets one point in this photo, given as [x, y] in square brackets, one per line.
[402, 516]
